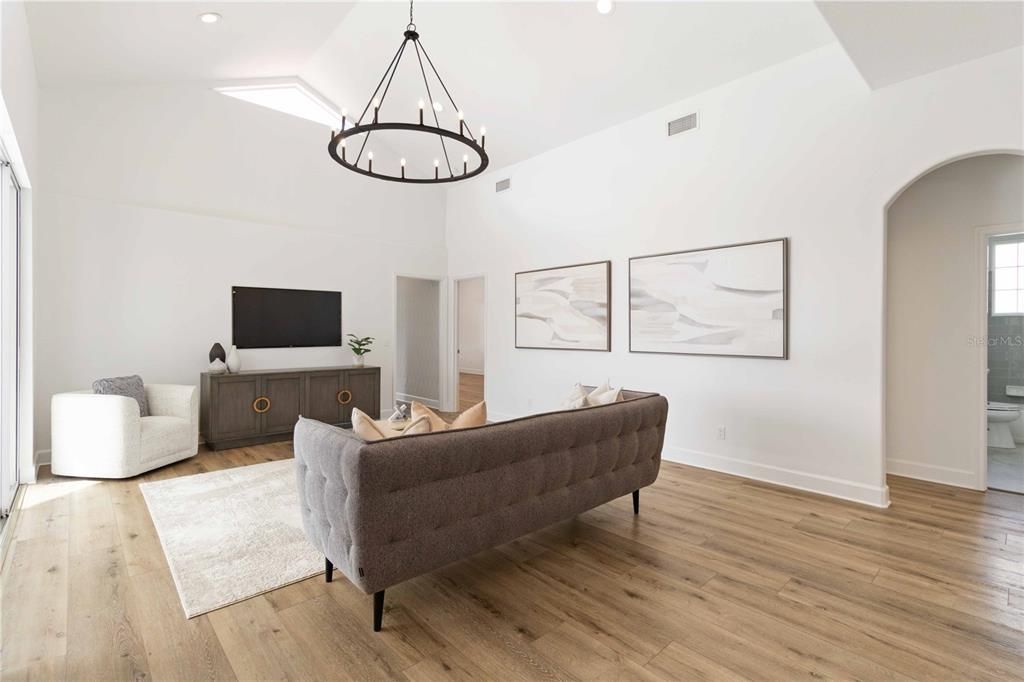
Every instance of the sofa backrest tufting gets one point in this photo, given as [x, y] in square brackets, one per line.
[390, 510]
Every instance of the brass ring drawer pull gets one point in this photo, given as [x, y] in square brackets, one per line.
[344, 396]
[257, 402]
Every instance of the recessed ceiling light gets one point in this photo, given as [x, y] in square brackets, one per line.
[209, 17]
[293, 98]
[605, 6]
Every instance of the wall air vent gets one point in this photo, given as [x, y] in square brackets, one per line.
[502, 185]
[681, 125]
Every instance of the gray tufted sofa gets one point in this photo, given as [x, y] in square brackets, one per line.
[386, 511]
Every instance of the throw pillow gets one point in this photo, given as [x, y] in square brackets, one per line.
[421, 425]
[612, 396]
[576, 399]
[129, 387]
[474, 416]
[421, 410]
[603, 388]
[364, 426]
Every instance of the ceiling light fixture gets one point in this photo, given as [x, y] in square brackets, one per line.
[209, 17]
[371, 121]
[605, 6]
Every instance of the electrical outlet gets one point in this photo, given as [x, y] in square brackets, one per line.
[721, 433]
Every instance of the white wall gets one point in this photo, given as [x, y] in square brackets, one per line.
[418, 340]
[932, 299]
[471, 325]
[802, 150]
[154, 201]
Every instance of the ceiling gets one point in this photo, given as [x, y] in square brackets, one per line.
[537, 74]
[893, 41]
[147, 42]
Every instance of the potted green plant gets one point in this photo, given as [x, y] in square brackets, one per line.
[360, 347]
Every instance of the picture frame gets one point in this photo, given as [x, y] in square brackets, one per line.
[725, 301]
[565, 307]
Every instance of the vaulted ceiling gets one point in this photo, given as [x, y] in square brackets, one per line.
[537, 74]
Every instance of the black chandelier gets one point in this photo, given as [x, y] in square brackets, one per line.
[449, 172]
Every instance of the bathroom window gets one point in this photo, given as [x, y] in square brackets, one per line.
[1006, 262]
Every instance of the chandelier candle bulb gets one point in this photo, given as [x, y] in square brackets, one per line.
[462, 123]
[437, 165]
[342, 145]
[376, 108]
[465, 163]
[483, 136]
[369, 161]
[403, 168]
[421, 112]
[344, 113]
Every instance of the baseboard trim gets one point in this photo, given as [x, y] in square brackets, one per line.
[464, 370]
[961, 478]
[789, 478]
[408, 398]
[42, 457]
[767, 473]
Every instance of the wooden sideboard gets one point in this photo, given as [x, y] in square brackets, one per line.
[260, 406]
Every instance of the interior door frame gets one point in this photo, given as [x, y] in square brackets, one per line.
[982, 278]
[11, 357]
[452, 377]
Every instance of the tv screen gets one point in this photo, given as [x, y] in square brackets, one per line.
[285, 318]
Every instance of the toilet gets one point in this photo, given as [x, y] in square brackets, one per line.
[1000, 416]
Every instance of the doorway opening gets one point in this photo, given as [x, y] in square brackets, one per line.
[469, 341]
[418, 332]
[1004, 376]
[939, 390]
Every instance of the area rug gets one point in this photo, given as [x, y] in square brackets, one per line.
[233, 534]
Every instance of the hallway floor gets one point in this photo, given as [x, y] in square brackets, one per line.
[1006, 469]
[471, 390]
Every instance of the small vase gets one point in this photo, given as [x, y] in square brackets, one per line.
[234, 362]
[357, 360]
[217, 366]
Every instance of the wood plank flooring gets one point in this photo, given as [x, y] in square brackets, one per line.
[718, 578]
[471, 390]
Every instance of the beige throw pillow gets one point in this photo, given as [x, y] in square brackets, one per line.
[600, 390]
[364, 426]
[611, 396]
[474, 416]
[421, 425]
[576, 399]
[421, 410]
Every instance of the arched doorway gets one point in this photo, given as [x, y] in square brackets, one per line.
[936, 335]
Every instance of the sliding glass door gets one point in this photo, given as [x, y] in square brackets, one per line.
[9, 215]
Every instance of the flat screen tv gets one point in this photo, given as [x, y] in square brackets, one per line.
[285, 318]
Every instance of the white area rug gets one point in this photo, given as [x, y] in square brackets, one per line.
[232, 534]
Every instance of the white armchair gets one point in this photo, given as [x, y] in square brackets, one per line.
[103, 436]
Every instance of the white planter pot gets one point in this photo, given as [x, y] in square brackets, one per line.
[357, 360]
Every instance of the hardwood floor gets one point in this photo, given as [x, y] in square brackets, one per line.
[471, 390]
[717, 578]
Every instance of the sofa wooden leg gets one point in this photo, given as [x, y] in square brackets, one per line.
[636, 501]
[328, 570]
[378, 610]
